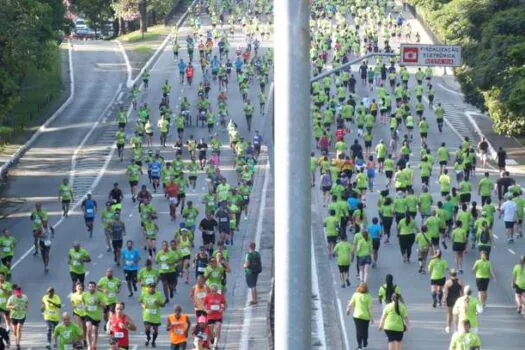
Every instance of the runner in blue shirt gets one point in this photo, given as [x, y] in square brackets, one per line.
[182, 70]
[89, 206]
[238, 65]
[257, 141]
[375, 231]
[130, 259]
[155, 168]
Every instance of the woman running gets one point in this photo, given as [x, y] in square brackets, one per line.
[452, 291]
[459, 244]
[387, 290]
[394, 322]
[361, 303]
[363, 251]
[483, 270]
[437, 268]
[518, 281]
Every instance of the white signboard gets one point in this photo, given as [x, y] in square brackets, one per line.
[430, 55]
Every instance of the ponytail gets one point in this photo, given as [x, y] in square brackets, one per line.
[389, 288]
[395, 299]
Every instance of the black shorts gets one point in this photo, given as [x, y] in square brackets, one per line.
[155, 177]
[149, 133]
[180, 196]
[130, 274]
[133, 183]
[459, 246]
[117, 244]
[179, 346]
[208, 239]
[224, 229]
[16, 321]
[482, 284]
[331, 239]
[389, 174]
[200, 313]
[152, 324]
[376, 243]
[464, 197]
[368, 144]
[434, 240]
[66, 201]
[343, 268]
[77, 277]
[509, 224]
[443, 162]
[179, 130]
[192, 178]
[326, 188]
[364, 260]
[399, 216]
[92, 321]
[215, 321]
[169, 277]
[440, 282]
[251, 279]
[518, 290]
[394, 336]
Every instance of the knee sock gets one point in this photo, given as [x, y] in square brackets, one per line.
[148, 335]
[434, 296]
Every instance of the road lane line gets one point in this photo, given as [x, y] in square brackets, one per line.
[450, 90]
[247, 320]
[342, 321]
[318, 312]
[511, 251]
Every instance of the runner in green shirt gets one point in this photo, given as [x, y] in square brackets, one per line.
[485, 188]
[483, 271]
[394, 321]
[518, 282]
[343, 251]
[6, 289]
[67, 333]
[423, 242]
[151, 302]
[50, 307]
[167, 260]
[464, 339]
[77, 257]
[331, 228]
[17, 304]
[437, 268]
[361, 303]
[65, 195]
[109, 286]
[93, 300]
[7, 246]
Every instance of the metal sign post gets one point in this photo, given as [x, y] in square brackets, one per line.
[293, 286]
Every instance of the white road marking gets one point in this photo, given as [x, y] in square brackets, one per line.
[511, 251]
[343, 325]
[318, 312]
[495, 236]
[457, 93]
[129, 82]
[100, 256]
[247, 321]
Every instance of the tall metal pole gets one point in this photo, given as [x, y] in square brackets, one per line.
[292, 183]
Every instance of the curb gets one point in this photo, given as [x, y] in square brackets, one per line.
[4, 169]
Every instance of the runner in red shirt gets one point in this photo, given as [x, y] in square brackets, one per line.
[215, 305]
[119, 325]
[189, 73]
[172, 190]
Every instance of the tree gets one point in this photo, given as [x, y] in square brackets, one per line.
[125, 11]
[143, 6]
[97, 12]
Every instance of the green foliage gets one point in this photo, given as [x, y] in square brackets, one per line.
[96, 12]
[29, 35]
[492, 34]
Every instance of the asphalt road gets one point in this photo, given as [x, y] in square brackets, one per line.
[38, 175]
[500, 326]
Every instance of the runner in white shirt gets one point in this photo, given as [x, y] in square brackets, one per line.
[508, 211]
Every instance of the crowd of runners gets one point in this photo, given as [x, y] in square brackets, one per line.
[374, 125]
[152, 270]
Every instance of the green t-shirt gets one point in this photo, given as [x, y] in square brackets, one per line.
[20, 306]
[111, 288]
[331, 223]
[421, 241]
[7, 244]
[444, 183]
[407, 228]
[470, 312]
[214, 275]
[485, 186]
[425, 203]
[51, 310]
[363, 247]
[465, 341]
[147, 277]
[343, 249]
[482, 268]
[392, 320]
[459, 235]
[67, 335]
[167, 261]
[362, 303]
[518, 274]
[77, 260]
[151, 304]
[6, 290]
[433, 224]
[93, 303]
[442, 154]
[438, 267]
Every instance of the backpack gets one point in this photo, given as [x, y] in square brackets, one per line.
[326, 180]
[255, 263]
[484, 237]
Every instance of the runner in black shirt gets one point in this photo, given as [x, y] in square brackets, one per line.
[208, 227]
[116, 193]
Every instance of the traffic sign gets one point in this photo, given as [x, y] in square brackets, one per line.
[430, 55]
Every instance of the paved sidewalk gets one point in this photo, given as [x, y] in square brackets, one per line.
[466, 119]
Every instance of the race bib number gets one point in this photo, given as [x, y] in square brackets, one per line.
[68, 346]
[152, 311]
[111, 295]
[7, 249]
[201, 295]
[246, 197]
[149, 280]
[51, 312]
[111, 285]
[215, 307]
[224, 219]
[75, 263]
[118, 335]
[89, 211]
[201, 269]
[47, 243]
[92, 308]
[185, 251]
[179, 331]
[130, 262]
[164, 266]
